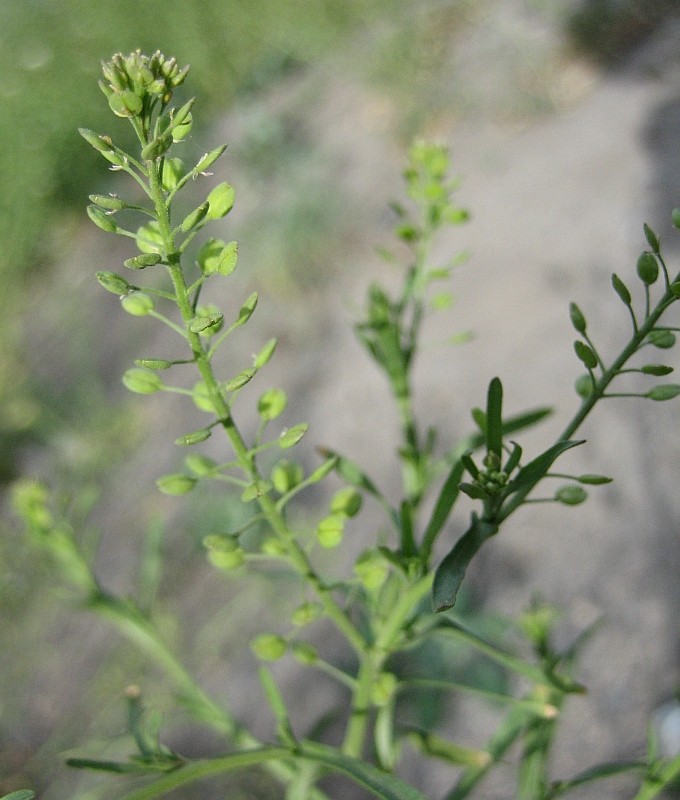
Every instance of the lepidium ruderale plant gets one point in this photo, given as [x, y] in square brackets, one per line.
[395, 600]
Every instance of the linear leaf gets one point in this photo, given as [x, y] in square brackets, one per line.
[494, 417]
[447, 497]
[595, 773]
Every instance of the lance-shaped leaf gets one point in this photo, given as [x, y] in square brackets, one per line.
[494, 421]
[530, 475]
[450, 573]
[445, 502]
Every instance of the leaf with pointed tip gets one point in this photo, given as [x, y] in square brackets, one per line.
[494, 421]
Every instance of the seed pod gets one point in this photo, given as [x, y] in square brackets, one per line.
[255, 490]
[210, 158]
[113, 283]
[195, 437]
[138, 304]
[585, 354]
[240, 380]
[666, 391]
[675, 288]
[142, 261]
[346, 501]
[577, 318]
[153, 363]
[149, 238]
[593, 480]
[108, 202]
[157, 148]
[201, 465]
[372, 570]
[201, 397]
[272, 404]
[286, 475]
[265, 354]
[99, 142]
[269, 646]
[584, 386]
[101, 219]
[383, 689]
[647, 268]
[125, 104]
[330, 530]
[201, 324]
[209, 255]
[652, 239]
[571, 495]
[182, 130]
[292, 436]
[621, 289]
[661, 338]
[224, 552]
[221, 200]
[657, 370]
[142, 381]
[194, 218]
[177, 484]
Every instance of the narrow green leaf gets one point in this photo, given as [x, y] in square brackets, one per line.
[494, 420]
[595, 773]
[445, 502]
[21, 794]
[435, 746]
[277, 705]
[450, 573]
[593, 480]
[514, 459]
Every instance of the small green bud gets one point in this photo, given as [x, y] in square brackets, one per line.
[585, 354]
[201, 324]
[265, 354]
[255, 490]
[383, 689]
[571, 495]
[286, 475]
[647, 268]
[652, 239]
[239, 380]
[664, 392]
[663, 339]
[210, 158]
[142, 261]
[195, 437]
[584, 386]
[138, 304]
[593, 480]
[113, 283]
[658, 370]
[289, 438]
[246, 310]
[675, 218]
[621, 289]
[181, 130]
[221, 201]
[177, 484]
[125, 104]
[269, 646]
[194, 218]
[577, 318]
[346, 501]
[372, 570]
[273, 547]
[157, 148]
[101, 143]
[201, 465]
[153, 363]
[142, 381]
[330, 530]
[108, 202]
[305, 653]
[306, 613]
[102, 220]
[272, 404]
[224, 552]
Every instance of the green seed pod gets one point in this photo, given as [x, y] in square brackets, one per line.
[177, 484]
[657, 370]
[102, 220]
[149, 238]
[173, 172]
[153, 363]
[584, 386]
[101, 143]
[292, 436]
[194, 218]
[247, 309]
[372, 570]
[305, 653]
[273, 547]
[201, 398]
[138, 304]
[157, 148]
[142, 381]
[208, 324]
[113, 283]
[182, 130]
[210, 158]
[383, 689]
[255, 490]
[577, 318]
[272, 404]
[346, 501]
[330, 530]
[142, 261]
[621, 289]
[195, 437]
[286, 475]
[306, 613]
[108, 202]
[585, 354]
[221, 201]
[663, 339]
[209, 256]
[269, 646]
[240, 380]
[201, 465]
[115, 157]
[647, 268]
[675, 288]
[180, 115]
[228, 259]
[265, 354]
[664, 392]
[224, 552]
[125, 104]
[571, 495]
[652, 239]
[675, 218]
[593, 480]
[325, 468]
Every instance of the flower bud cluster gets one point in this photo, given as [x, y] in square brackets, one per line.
[131, 80]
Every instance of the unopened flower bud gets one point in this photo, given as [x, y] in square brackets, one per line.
[138, 304]
[269, 646]
[113, 283]
[101, 219]
[142, 261]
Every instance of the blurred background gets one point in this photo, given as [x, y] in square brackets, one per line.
[563, 120]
